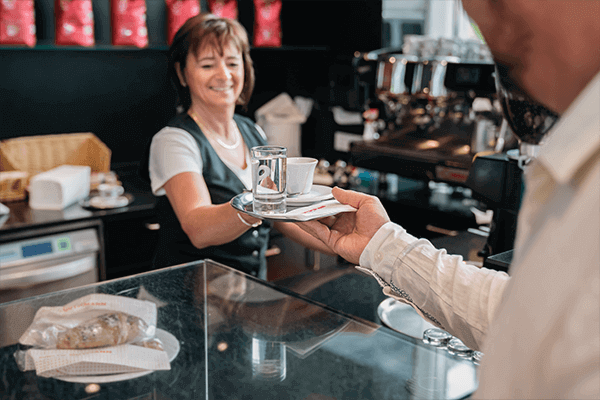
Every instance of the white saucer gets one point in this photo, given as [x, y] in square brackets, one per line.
[170, 343]
[102, 203]
[402, 318]
[317, 193]
[295, 213]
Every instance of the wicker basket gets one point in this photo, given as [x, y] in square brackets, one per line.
[12, 185]
[35, 154]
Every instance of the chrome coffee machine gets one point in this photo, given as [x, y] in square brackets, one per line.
[437, 130]
[438, 100]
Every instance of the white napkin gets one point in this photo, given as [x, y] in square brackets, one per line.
[314, 211]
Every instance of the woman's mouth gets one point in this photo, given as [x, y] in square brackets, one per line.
[220, 89]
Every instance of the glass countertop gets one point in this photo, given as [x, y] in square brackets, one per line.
[243, 338]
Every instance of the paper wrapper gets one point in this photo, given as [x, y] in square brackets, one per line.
[318, 210]
[102, 361]
[49, 321]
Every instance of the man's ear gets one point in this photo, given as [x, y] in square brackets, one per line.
[180, 74]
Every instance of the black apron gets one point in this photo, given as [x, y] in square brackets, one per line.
[247, 252]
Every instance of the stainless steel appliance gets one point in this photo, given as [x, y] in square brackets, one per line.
[44, 261]
[432, 93]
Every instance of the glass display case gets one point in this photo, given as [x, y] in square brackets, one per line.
[243, 338]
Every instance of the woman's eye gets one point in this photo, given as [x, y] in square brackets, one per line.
[206, 66]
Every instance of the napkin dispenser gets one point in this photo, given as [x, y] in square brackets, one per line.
[59, 187]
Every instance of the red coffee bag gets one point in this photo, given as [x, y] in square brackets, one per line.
[267, 23]
[17, 22]
[179, 11]
[224, 8]
[74, 22]
[128, 19]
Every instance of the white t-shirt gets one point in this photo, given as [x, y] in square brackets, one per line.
[174, 150]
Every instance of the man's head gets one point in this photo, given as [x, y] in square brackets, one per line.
[549, 47]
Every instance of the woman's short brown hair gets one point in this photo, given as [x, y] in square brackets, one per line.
[209, 29]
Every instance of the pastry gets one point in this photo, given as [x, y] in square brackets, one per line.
[152, 343]
[110, 329]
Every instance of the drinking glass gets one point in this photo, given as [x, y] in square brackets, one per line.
[268, 360]
[269, 170]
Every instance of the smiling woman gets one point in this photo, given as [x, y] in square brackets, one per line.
[200, 160]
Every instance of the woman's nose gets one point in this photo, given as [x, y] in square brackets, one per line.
[223, 72]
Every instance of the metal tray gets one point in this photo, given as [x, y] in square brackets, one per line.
[243, 203]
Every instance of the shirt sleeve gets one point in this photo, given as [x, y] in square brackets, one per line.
[460, 298]
[172, 151]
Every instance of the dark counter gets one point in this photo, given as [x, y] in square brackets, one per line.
[22, 217]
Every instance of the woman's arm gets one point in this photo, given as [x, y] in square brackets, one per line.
[206, 224]
[292, 231]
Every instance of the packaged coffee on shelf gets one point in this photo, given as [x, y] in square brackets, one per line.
[267, 23]
[179, 11]
[17, 22]
[74, 22]
[224, 8]
[128, 23]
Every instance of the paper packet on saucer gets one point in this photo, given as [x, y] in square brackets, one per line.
[99, 361]
[319, 210]
[98, 334]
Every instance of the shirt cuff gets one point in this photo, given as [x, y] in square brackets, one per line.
[384, 248]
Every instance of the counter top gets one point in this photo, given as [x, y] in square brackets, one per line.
[22, 217]
[221, 317]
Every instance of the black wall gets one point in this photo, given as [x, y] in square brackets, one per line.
[124, 96]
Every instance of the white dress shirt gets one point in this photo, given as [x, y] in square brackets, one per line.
[539, 330]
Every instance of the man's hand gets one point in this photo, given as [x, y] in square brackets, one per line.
[347, 234]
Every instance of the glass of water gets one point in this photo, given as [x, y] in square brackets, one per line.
[268, 360]
[269, 170]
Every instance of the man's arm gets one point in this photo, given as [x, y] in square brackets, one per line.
[460, 298]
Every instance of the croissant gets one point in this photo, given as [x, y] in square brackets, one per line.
[105, 330]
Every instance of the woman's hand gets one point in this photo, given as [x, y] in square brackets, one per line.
[347, 234]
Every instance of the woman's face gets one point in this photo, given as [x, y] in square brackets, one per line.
[214, 80]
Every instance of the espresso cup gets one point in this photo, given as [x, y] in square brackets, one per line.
[300, 174]
[110, 191]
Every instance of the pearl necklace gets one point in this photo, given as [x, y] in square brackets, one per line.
[214, 136]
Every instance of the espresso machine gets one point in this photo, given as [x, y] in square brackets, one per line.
[437, 130]
[438, 111]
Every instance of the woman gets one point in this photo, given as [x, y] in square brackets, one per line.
[201, 159]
